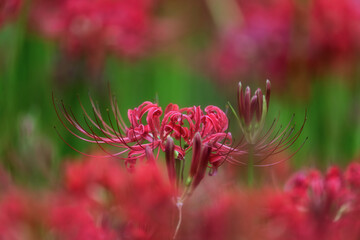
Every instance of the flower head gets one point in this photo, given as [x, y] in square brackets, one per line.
[352, 175]
[150, 128]
[150, 131]
[252, 111]
[97, 26]
[317, 206]
[124, 203]
[334, 33]
[252, 39]
[9, 9]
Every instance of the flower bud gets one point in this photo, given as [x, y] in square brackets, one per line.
[149, 155]
[205, 155]
[252, 111]
[170, 159]
[196, 155]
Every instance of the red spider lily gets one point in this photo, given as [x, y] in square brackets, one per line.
[148, 130]
[81, 177]
[71, 220]
[24, 215]
[319, 194]
[93, 27]
[100, 201]
[257, 40]
[137, 204]
[352, 175]
[316, 207]
[9, 9]
[334, 32]
[175, 134]
[252, 111]
[15, 210]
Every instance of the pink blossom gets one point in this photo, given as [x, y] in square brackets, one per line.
[316, 207]
[259, 41]
[9, 9]
[96, 26]
[137, 204]
[334, 32]
[352, 175]
[150, 128]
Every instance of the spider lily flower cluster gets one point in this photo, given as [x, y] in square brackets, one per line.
[148, 130]
[176, 131]
[252, 112]
[317, 206]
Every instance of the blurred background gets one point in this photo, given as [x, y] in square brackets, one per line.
[184, 52]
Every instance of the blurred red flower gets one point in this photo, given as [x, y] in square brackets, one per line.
[93, 27]
[316, 207]
[9, 9]
[257, 43]
[334, 32]
[138, 204]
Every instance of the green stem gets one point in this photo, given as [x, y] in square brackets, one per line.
[250, 172]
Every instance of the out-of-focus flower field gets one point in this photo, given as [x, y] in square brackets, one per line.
[133, 119]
